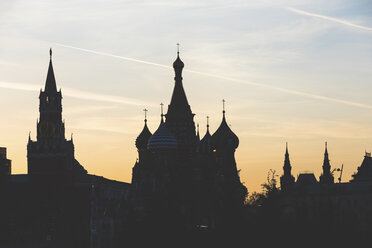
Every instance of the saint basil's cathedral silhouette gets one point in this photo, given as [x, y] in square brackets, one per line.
[181, 178]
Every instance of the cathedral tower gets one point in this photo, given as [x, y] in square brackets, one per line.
[180, 119]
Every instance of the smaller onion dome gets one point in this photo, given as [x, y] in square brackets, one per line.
[143, 138]
[162, 139]
[224, 137]
[205, 145]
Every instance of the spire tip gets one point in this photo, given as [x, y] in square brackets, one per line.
[162, 115]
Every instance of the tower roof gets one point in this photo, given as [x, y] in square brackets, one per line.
[224, 137]
[50, 84]
[287, 163]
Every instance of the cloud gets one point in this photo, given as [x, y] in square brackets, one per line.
[76, 94]
[288, 91]
[301, 12]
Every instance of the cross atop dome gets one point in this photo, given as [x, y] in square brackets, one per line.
[145, 110]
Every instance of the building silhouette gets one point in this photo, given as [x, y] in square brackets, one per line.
[5, 166]
[51, 157]
[189, 182]
[58, 204]
[324, 207]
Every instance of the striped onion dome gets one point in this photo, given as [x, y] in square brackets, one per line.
[162, 139]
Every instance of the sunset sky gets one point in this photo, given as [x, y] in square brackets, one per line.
[297, 71]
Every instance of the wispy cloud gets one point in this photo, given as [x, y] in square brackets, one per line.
[301, 12]
[76, 94]
[270, 87]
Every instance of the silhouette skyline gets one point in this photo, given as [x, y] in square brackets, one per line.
[260, 42]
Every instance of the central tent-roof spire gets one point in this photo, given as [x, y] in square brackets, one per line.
[179, 99]
[179, 118]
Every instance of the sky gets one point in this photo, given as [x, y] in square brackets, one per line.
[290, 71]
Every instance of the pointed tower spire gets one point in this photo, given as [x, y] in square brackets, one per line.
[326, 159]
[326, 176]
[286, 149]
[50, 84]
[287, 164]
[287, 180]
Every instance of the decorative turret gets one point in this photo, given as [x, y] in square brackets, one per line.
[162, 139]
[287, 180]
[326, 176]
[205, 143]
[144, 136]
[224, 138]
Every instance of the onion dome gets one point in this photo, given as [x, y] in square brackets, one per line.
[143, 138]
[224, 137]
[205, 143]
[178, 66]
[162, 139]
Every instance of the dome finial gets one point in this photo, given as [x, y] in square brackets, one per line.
[207, 123]
[50, 53]
[145, 110]
[161, 107]
[178, 49]
[223, 107]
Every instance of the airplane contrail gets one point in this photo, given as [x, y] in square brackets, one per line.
[74, 93]
[301, 12]
[270, 87]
